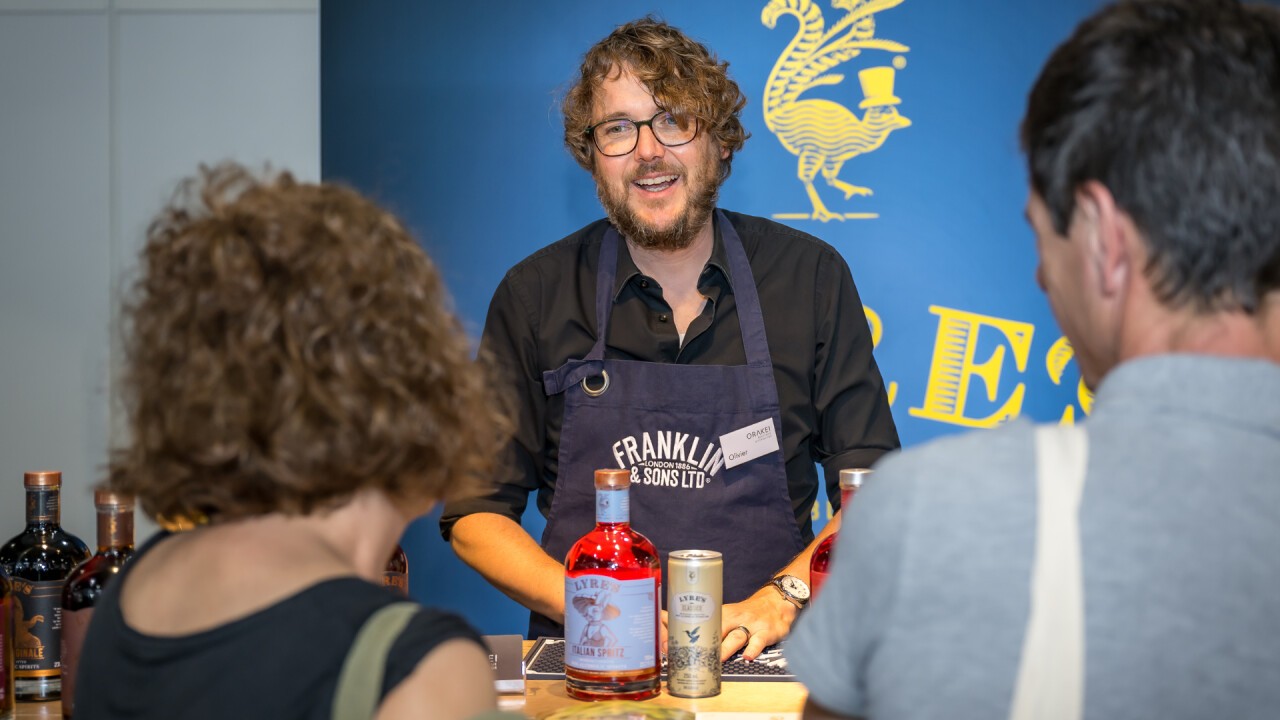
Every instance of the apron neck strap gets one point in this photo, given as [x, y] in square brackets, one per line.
[750, 316]
[606, 276]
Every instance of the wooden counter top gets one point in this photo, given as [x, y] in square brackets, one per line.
[770, 699]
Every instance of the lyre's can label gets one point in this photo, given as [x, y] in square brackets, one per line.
[694, 595]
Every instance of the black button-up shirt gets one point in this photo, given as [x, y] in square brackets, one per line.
[832, 397]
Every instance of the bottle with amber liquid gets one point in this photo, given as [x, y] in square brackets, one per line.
[396, 574]
[86, 583]
[6, 648]
[612, 596]
[38, 562]
[820, 562]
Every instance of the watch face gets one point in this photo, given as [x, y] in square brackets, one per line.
[795, 586]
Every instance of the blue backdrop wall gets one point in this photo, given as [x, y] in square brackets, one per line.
[448, 113]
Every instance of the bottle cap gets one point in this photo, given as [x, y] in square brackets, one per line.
[613, 479]
[853, 477]
[42, 479]
[111, 498]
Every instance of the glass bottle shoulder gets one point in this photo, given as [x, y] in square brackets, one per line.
[613, 547]
[46, 534]
[89, 579]
[42, 555]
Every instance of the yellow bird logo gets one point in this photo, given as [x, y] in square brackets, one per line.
[822, 133]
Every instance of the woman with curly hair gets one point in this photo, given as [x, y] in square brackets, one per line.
[296, 383]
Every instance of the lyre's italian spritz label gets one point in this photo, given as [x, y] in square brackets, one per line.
[609, 623]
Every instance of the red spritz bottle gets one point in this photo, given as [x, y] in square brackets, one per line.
[820, 563]
[612, 596]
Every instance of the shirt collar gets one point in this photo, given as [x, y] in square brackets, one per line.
[1231, 389]
[718, 262]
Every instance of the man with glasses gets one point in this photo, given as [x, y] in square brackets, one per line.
[715, 355]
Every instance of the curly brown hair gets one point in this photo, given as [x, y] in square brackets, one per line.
[287, 345]
[681, 73]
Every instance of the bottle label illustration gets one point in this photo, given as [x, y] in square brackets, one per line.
[609, 624]
[37, 626]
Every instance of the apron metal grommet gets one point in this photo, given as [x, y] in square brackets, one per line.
[596, 392]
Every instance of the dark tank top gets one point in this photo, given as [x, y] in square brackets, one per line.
[280, 662]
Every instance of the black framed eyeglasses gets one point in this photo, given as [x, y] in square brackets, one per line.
[619, 136]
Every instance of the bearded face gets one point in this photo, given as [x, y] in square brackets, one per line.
[658, 196]
[635, 215]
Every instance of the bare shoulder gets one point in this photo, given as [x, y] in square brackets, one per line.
[453, 681]
[199, 580]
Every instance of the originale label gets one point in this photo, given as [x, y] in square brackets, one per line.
[610, 625]
[37, 628]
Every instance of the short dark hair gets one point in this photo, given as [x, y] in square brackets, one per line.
[288, 344]
[683, 75]
[1174, 106]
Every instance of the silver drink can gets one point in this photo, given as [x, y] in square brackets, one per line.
[695, 587]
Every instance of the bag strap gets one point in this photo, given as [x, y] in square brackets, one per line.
[360, 682]
[1051, 675]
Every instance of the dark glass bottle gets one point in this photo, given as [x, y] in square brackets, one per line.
[612, 597]
[6, 648]
[85, 584]
[38, 562]
[396, 574]
[820, 562]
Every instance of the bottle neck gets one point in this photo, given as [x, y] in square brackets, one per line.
[846, 494]
[115, 528]
[613, 506]
[44, 507]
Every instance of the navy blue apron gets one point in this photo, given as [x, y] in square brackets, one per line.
[663, 422]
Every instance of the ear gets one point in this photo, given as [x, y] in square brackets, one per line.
[1108, 234]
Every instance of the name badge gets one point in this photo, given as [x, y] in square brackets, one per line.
[749, 443]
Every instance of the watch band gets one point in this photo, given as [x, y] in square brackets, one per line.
[785, 593]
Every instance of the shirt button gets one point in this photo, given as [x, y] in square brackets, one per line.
[662, 318]
[644, 283]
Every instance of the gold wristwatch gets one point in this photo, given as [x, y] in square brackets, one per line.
[793, 589]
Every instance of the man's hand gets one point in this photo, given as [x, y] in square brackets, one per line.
[766, 615]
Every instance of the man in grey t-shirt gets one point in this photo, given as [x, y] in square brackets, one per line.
[1153, 140]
